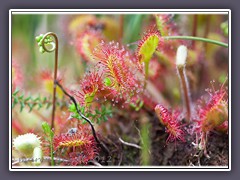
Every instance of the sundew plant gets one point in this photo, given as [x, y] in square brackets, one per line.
[120, 90]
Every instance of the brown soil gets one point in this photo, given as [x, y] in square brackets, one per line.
[162, 154]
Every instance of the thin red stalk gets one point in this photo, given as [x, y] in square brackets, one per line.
[102, 145]
[207, 28]
[194, 30]
[54, 86]
[121, 19]
[185, 91]
[55, 71]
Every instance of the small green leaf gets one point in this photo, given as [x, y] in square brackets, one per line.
[21, 97]
[51, 134]
[105, 118]
[15, 101]
[224, 27]
[44, 99]
[97, 111]
[40, 106]
[98, 120]
[40, 44]
[22, 105]
[48, 105]
[89, 98]
[82, 109]
[36, 99]
[88, 114]
[222, 78]
[30, 106]
[28, 98]
[38, 38]
[15, 92]
[107, 81]
[71, 107]
[46, 128]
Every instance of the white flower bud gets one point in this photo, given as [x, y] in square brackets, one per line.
[181, 55]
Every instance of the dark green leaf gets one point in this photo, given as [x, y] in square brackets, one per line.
[15, 101]
[39, 106]
[28, 98]
[30, 106]
[22, 105]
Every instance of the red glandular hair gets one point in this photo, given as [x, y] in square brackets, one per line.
[79, 144]
[146, 40]
[212, 113]
[120, 70]
[154, 69]
[168, 27]
[91, 85]
[171, 121]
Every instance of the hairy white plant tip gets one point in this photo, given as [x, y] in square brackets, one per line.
[181, 55]
[26, 143]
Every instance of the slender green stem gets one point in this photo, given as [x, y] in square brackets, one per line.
[197, 39]
[50, 134]
[51, 149]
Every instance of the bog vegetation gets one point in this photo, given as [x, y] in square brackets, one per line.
[116, 90]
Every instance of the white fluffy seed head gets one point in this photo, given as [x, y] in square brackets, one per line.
[181, 55]
[26, 143]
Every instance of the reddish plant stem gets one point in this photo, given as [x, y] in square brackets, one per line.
[203, 143]
[103, 146]
[121, 19]
[55, 71]
[185, 91]
[207, 27]
[54, 86]
[206, 31]
[194, 30]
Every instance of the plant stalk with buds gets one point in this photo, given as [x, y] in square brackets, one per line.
[44, 40]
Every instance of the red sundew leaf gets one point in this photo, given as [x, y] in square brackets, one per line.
[212, 113]
[91, 85]
[165, 24]
[171, 122]
[119, 69]
[79, 143]
[86, 42]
